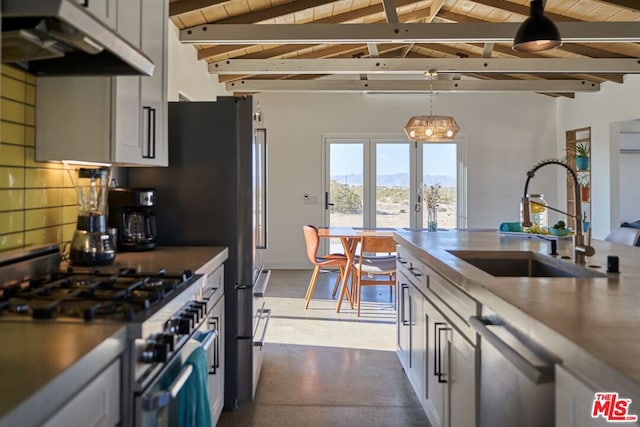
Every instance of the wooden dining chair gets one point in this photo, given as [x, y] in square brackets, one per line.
[376, 269]
[312, 241]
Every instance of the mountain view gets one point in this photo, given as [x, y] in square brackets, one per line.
[396, 180]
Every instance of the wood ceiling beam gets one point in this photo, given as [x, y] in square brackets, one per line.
[629, 4]
[411, 66]
[360, 13]
[412, 86]
[390, 12]
[184, 6]
[578, 49]
[572, 32]
[221, 50]
[523, 10]
[273, 12]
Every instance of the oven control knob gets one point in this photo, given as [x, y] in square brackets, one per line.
[169, 340]
[185, 325]
[202, 306]
[194, 313]
[172, 325]
[155, 352]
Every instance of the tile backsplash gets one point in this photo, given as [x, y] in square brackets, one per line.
[38, 203]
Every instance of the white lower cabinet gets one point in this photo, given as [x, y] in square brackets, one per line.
[96, 405]
[574, 401]
[435, 346]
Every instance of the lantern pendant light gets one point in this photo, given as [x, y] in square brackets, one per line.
[431, 128]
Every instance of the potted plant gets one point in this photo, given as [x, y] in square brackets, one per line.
[582, 156]
[585, 190]
[579, 152]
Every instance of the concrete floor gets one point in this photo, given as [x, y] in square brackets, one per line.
[323, 368]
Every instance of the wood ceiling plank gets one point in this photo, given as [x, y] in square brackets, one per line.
[628, 4]
[522, 10]
[272, 12]
[218, 50]
[184, 6]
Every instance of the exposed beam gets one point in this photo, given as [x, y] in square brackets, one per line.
[208, 52]
[390, 11]
[487, 50]
[436, 5]
[184, 6]
[412, 86]
[411, 66]
[360, 13]
[273, 12]
[572, 32]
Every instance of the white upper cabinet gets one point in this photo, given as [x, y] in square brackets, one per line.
[120, 120]
[105, 10]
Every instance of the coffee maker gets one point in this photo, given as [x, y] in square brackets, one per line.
[91, 243]
[131, 213]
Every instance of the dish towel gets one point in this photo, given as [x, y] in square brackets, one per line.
[193, 400]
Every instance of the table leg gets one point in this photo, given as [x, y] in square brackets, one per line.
[349, 245]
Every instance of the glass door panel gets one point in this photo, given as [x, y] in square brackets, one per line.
[439, 183]
[392, 185]
[344, 199]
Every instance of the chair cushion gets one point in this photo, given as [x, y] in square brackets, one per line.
[377, 265]
[625, 236]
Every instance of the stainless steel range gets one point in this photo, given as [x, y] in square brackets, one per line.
[168, 315]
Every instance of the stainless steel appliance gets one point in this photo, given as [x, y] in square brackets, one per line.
[167, 314]
[60, 37]
[516, 377]
[214, 193]
[131, 213]
[91, 244]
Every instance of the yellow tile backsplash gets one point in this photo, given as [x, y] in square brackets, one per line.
[37, 203]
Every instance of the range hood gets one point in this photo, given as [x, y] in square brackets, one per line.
[60, 37]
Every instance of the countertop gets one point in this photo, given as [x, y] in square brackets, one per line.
[591, 324]
[43, 363]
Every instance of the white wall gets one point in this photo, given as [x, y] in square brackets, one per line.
[602, 111]
[506, 134]
[187, 74]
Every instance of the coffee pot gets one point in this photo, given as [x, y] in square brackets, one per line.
[131, 213]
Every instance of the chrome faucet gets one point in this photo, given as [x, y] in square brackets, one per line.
[580, 249]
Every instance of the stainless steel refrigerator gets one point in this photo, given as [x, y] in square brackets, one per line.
[213, 193]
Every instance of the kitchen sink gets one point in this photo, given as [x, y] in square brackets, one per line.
[523, 264]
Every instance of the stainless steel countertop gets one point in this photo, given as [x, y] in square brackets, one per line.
[592, 324]
[43, 363]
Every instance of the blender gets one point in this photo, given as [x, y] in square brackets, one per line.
[91, 243]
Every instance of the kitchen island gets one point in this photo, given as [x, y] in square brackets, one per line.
[46, 363]
[589, 323]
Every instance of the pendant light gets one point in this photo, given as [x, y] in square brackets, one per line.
[431, 128]
[537, 32]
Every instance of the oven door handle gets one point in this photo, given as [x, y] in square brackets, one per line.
[206, 343]
[162, 398]
[266, 311]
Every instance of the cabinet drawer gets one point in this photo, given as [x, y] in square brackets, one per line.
[414, 269]
[97, 404]
[461, 304]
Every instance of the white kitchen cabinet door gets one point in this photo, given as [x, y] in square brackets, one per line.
[153, 89]
[96, 405]
[574, 400]
[461, 381]
[104, 10]
[416, 370]
[436, 338]
[403, 324]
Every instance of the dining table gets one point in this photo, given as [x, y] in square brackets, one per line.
[350, 237]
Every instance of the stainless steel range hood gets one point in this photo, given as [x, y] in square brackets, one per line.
[60, 37]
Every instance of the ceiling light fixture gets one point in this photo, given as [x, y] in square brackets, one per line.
[431, 128]
[537, 32]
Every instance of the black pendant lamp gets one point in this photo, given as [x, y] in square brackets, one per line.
[537, 32]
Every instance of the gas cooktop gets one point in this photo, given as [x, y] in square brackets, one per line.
[125, 294]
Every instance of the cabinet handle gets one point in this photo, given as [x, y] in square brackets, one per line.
[215, 321]
[151, 133]
[401, 261]
[412, 270]
[441, 363]
[405, 322]
[436, 344]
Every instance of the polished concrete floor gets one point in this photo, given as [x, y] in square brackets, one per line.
[323, 368]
